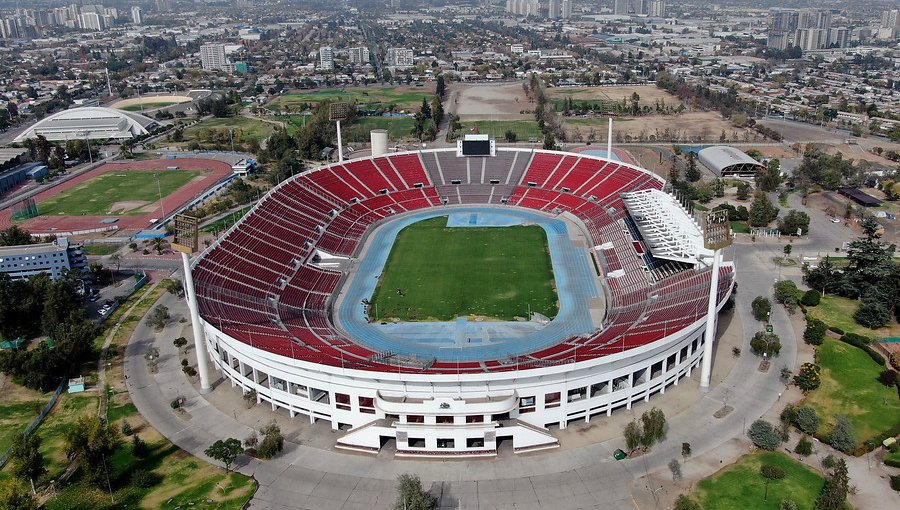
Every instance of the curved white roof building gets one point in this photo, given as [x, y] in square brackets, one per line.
[92, 122]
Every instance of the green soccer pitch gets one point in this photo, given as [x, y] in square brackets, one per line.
[117, 193]
[443, 273]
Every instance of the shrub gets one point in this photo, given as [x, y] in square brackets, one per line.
[685, 503]
[143, 479]
[815, 332]
[807, 420]
[126, 429]
[888, 377]
[804, 447]
[761, 307]
[829, 462]
[811, 298]
[872, 314]
[895, 482]
[765, 343]
[772, 472]
[808, 378]
[788, 414]
[836, 330]
[843, 437]
[764, 435]
[272, 442]
[788, 504]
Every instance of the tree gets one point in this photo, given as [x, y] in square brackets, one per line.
[175, 287]
[767, 344]
[843, 437]
[633, 435]
[272, 442]
[794, 221]
[888, 377]
[787, 250]
[26, 458]
[250, 397]
[808, 378]
[693, 173]
[92, 440]
[654, 425]
[139, 448]
[411, 495]
[823, 277]
[158, 318]
[768, 177]
[510, 136]
[180, 343]
[770, 473]
[14, 495]
[685, 450]
[807, 419]
[787, 293]
[764, 435]
[441, 86]
[743, 190]
[761, 307]
[225, 451]
[804, 447]
[14, 236]
[837, 486]
[762, 212]
[675, 468]
[815, 331]
[549, 142]
[872, 314]
[812, 297]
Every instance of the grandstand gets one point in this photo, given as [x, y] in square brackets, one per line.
[268, 302]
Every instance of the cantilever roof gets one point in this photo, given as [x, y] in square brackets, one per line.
[89, 122]
[669, 231]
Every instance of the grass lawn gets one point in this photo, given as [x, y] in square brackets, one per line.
[147, 106]
[365, 97]
[116, 193]
[524, 129]
[18, 407]
[892, 456]
[838, 312]
[740, 227]
[222, 224]
[100, 249]
[220, 130]
[850, 387]
[398, 128]
[742, 487]
[67, 411]
[444, 273]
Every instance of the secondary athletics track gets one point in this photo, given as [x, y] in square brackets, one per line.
[218, 170]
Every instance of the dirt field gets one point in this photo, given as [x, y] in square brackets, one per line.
[488, 102]
[684, 127]
[649, 94]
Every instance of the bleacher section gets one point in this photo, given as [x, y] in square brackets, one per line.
[259, 284]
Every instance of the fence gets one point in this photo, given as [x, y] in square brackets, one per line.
[37, 421]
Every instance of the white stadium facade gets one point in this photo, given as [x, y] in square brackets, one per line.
[276, 298]
[89, 122]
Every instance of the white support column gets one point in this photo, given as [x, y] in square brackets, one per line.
[340, 143]
[199, 338]
[711, 320]
[609, 141]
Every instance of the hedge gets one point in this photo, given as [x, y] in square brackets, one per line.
[862, 343]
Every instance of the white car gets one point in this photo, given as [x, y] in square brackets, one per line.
[835, 220]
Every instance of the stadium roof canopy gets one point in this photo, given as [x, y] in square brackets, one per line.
[669, 231]
[725, 161]
[91, 122]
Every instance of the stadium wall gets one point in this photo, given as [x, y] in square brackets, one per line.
[473, 410]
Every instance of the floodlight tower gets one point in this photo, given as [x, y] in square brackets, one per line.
[609, 141]
[186, 241]
[716, 237]
[338, 112]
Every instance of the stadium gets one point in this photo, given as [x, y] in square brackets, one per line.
[441, 304]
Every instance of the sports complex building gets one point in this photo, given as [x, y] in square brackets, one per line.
[286, 300]
[89, 122]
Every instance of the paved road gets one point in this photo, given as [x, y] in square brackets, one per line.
[307, 477]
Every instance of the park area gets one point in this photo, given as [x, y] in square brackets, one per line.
[435, 272]
[367, 98]
[741, 486]
[850, 387]
[836, 311]
[117, 192]
[219, 132]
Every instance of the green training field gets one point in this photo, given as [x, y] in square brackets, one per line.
[366, 97]
[524, 129]
[742, 487]
[443, 273]
[850, 387]
[398, 128]
[147, 106]
[117, 193]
